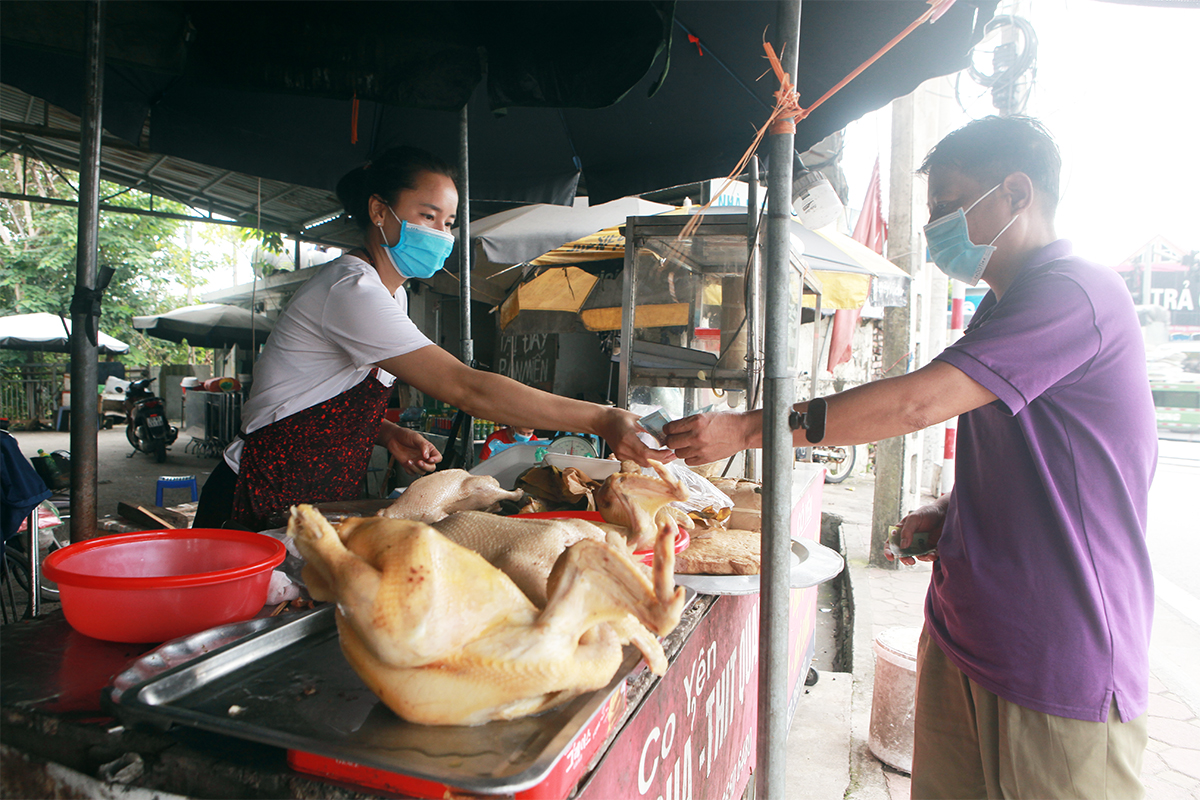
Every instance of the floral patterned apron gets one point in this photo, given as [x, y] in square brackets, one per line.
[316, 455]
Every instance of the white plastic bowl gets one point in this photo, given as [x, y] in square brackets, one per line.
[595, 468]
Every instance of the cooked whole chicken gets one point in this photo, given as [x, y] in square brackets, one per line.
[445, 638]
[523, 549]
[439, 494]
[635, 500]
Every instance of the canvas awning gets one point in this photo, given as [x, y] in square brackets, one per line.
[850, 273]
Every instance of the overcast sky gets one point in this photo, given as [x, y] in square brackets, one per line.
[1119, 87]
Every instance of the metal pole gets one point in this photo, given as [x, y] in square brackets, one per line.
[817, 348]
[465, 245]
[35, 564]
[464, 239]
[753, 308]
[83, 352]
[779, 395]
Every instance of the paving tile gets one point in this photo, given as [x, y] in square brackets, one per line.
[1156, 686]
[1158, 788]
[1165, 705]
[1152, 763]
[1190, 785]
[1184, 760]
[1176, 734]
[899, 785]
[1155, 746]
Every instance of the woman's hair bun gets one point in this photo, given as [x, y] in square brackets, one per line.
[387, 175]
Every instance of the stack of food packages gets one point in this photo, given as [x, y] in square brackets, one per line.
[727, 543]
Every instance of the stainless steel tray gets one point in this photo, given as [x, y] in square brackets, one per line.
[288, 685]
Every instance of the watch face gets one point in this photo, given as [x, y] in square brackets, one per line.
[573, 446]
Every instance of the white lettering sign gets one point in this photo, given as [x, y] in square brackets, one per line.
[1174, 299]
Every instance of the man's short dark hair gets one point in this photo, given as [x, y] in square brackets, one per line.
[992, 148]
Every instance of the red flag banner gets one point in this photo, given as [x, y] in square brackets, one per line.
[870, 230]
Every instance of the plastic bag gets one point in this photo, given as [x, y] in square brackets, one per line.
[702, 493]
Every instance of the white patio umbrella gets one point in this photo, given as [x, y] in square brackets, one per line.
[49, 333]
[208, 325]
[513, 237]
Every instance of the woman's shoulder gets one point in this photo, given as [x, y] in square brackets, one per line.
[346, 263]
[349, 272]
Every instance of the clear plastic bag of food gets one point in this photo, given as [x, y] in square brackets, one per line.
[702, 494]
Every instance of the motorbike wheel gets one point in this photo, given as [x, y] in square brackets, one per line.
[131, 435]
[838, 461]
[160, 450]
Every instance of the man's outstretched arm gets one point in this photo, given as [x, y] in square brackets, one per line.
[867, 413]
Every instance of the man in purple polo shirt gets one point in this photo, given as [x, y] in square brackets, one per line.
[1032, 670]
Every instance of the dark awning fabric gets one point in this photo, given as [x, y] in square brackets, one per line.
[430, 55]
[265, 88]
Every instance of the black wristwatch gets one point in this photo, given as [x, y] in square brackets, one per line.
[812, 420]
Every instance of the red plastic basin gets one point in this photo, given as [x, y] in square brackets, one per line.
[159, 585]
[682, 538]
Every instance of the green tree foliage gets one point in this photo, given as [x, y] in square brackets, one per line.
[156, 270]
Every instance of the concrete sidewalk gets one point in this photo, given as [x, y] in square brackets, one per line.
[836, 712]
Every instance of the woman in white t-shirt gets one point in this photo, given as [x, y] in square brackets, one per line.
[322, 383]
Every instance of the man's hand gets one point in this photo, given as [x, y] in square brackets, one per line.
[926, 518]
[705, 438]
[620, 429]
[412, 451]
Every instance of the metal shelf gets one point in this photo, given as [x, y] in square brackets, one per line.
[704, 276]
[723, 379]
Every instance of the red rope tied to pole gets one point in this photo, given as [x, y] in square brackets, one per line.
[354, 119]
[787, 99]
[787, 105]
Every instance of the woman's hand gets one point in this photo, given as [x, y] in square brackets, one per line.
[412, 451]
[929, 518]
[705, 438]
[620, 429]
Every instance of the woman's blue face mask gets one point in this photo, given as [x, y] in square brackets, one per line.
[420, 251]
[951, 248]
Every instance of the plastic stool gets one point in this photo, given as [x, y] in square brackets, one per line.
[168, 482]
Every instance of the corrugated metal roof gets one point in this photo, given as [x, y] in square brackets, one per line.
[36, 129]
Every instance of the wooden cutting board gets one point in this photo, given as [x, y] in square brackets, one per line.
[339, 510]
[151, 517]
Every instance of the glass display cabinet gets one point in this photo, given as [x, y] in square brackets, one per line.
[692, 315]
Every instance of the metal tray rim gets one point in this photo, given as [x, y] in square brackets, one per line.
[133, 701]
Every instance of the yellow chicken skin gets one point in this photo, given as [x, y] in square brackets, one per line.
[437, 495]
[444, 638]
[523, 549]
[634, 500]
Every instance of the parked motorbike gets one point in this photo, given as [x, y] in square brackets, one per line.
[146, 425]
[838, 461]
